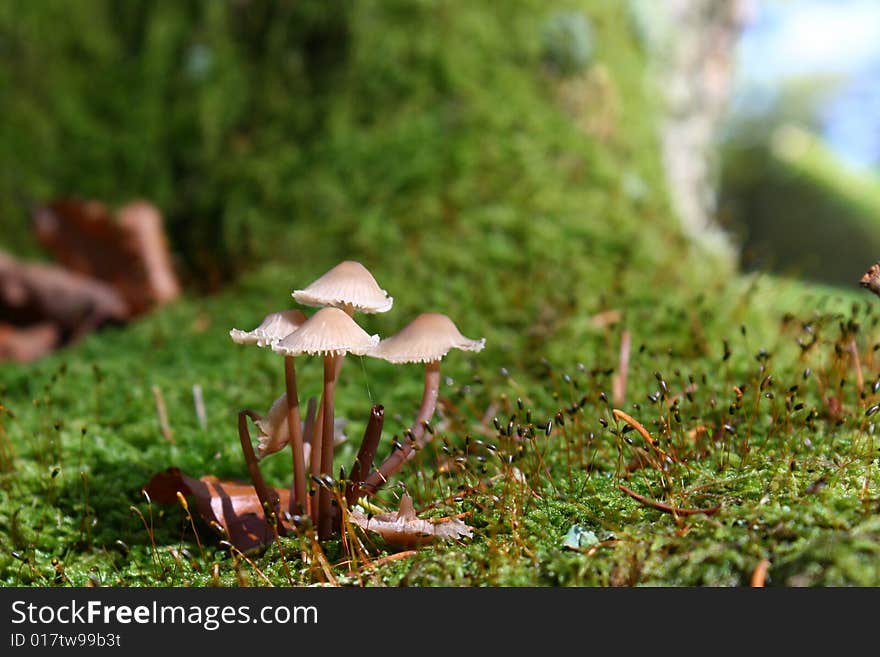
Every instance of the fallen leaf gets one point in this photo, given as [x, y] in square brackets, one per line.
[33, 293]
[230, 505]
[23, 344]
[126, 249]
[274, 435]
[871, 279]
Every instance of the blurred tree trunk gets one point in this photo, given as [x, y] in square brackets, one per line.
[694, 46]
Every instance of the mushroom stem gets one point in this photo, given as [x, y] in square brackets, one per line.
[309, 422]
[315, 461]
[268, 499]
[298, 486]
[429, 402]
[325, 518]
[367, 452]
[309, 430]
[400, 456]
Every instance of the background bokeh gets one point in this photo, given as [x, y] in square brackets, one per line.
[801, 149]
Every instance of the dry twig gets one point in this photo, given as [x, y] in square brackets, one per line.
[660, 506]
[635, 424]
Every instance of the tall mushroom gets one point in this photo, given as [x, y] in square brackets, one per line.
[330, 332]
[427, 339]
[275, 327]
[351, 287]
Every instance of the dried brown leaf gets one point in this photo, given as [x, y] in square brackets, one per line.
[232, 506]
[32, 293]
[127, 249]
[24, 344]
[274, 435]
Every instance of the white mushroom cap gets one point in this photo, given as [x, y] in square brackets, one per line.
[347, 284]
[328, 331]
[274, 327]
[428, 338]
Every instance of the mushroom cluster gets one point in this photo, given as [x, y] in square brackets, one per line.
[332, 333]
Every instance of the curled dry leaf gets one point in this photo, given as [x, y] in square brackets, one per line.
[33, 292]
[127, 249]
[22, 344]
[405, 529]
[232, 506]
[274, 435]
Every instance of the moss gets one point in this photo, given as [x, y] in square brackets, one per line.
[471, 182]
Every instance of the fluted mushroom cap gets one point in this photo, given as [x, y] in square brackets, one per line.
[428, 338]
[275, 327]
[328, 331]
[347, 284]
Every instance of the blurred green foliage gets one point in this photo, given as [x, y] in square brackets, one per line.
[424, 138]
[205, 108]
[359, 122]
[567, 42]
[798, 209]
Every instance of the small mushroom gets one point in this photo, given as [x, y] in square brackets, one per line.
[350, 286]
[330, 332]
[273, 328]
[406, 529]
[427, 339]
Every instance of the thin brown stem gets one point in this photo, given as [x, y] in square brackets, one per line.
[619, 382]
[325, 519]
[309, 422]
[162, 412]
[315, 461]
[857, 363]
[419, 435]
[366, 454]
[635, 424]
[429, 403]
[268, 498]
[397, 556]
[298, 485]
[660, 506]
[759, 575]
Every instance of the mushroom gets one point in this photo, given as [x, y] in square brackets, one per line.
[350, 286]
[406, 529]
[275, 327]
[427, 339]
[331, 333]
